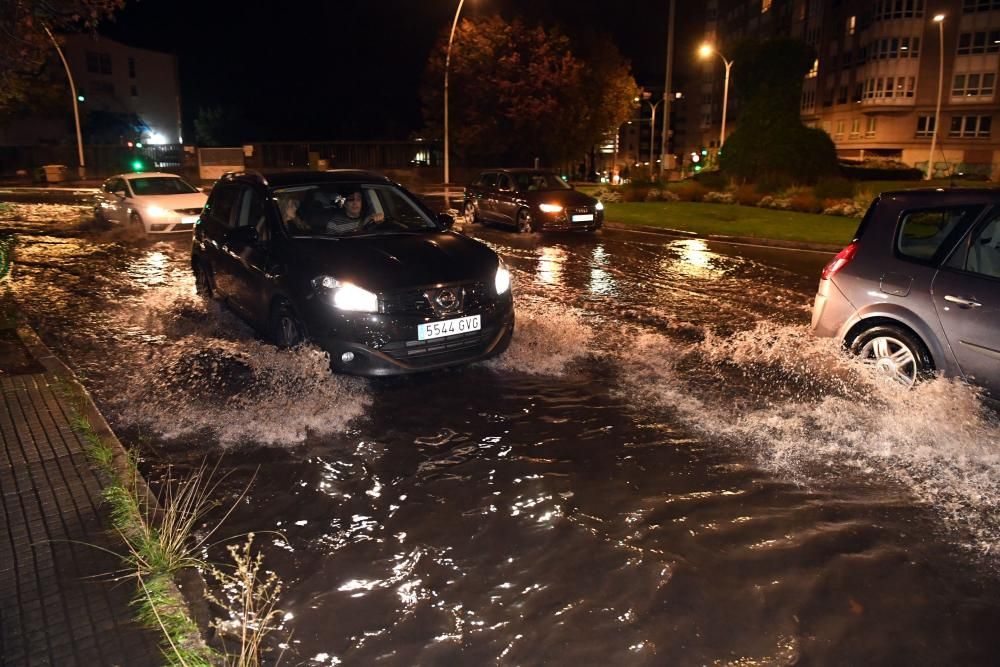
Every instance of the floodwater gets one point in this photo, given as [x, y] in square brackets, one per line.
[663, 469]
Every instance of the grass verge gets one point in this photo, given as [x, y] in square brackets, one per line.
[734, 220]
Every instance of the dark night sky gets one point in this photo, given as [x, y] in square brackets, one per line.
[351, 69]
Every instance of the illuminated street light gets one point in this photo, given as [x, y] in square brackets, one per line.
[939, 19]
[76, 103]
[706, 51]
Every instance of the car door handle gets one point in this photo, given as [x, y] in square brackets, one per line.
[968, 303]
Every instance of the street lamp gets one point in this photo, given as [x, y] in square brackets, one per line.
[614, 161]
[76, 103]
[447, 64]
[705, 51]
[652, 126]
[939, 19]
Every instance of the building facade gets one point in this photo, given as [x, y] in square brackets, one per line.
[874, 85]
[124, 94]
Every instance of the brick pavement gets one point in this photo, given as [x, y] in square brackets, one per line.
[58, 605]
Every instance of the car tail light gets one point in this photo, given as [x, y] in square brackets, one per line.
[840, 261]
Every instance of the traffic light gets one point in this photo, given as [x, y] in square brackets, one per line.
[695, 157]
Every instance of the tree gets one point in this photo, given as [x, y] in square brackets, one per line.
[25, 47]
[519, 92]
[770, 143]
[218, 126]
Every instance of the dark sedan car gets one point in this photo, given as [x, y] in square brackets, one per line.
[357, 265]
[531, 201]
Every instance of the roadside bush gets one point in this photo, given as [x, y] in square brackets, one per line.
[859, 173]
[634, 193]
[719, 197]
[804, 200]
[713, 180]
[746, 195]
[608, 196]
[690, 191]
[780, 203]
[834, 188]
[843, 207]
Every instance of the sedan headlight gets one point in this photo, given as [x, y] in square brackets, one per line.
[154, 211]
[599, 206]
[345, 296]
[502, 279]
[550, 208]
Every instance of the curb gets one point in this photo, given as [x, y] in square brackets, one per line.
[735, 240]
[192, 581]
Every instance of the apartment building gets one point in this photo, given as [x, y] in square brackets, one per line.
[124, 93]
[874, 85]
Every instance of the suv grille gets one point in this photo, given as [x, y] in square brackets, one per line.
[425, 352]
[416, 302]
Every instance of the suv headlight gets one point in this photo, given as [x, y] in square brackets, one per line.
[599, 206]
[502, 279]
[345, 296]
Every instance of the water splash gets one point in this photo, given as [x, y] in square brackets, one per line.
[547, 337]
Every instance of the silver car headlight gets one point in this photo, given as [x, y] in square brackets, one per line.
[502, 279]
[599, 206]
[158, 212]
[345, 296]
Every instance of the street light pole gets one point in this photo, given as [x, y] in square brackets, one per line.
[939, 19]
[705, 51]
[652, 133]
[667, 88]
[447, 65]
[76, 105]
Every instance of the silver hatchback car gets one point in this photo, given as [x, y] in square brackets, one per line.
[918, 290]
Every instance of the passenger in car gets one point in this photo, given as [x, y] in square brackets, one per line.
[290, 214]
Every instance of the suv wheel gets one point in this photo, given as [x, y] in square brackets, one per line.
[202, 280]
[893, 353]
[471, 212]
[285, 328]
[524, 225]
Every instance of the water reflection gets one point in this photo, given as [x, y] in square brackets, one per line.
[550, 265]
[694, 259]
[601, 281]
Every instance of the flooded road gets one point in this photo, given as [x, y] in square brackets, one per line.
[663, 469]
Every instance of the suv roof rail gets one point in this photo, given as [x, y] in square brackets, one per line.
[252, 174]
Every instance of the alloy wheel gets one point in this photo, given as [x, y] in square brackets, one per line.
[891, 358]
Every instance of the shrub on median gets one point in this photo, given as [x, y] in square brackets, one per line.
[690, 191]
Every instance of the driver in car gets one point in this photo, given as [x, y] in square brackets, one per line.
[351, 217]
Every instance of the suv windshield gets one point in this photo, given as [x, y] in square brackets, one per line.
[349, 209]
[160, 185]
[530, 182]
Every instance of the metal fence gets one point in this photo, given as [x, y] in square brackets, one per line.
[102, 160]
[345, 154]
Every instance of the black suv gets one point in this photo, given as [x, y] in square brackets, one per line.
[356, 264]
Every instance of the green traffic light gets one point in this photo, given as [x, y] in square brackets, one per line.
[80, 98]
[137, 165]
[697, 167]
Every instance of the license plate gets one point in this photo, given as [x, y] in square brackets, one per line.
[459, 325]
[189, 219]
[584, 218]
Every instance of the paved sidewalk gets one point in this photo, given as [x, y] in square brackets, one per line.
[57, 603]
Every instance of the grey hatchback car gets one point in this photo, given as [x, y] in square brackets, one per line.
[918, 289]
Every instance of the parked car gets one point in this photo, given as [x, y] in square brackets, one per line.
[918, 289]
[531, 201]
[155, 202]
[357, 265]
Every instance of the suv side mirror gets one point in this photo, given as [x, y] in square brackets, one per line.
[445, 220]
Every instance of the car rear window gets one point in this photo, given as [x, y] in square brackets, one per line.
[928, 234]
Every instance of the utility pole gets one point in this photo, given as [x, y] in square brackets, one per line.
[667, 89]
[76, 104]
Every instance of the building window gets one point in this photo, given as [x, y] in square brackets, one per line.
[970, 126]
[105, 63]
[765, 5]
[842, 95]
[814, 71]
[898, 9]
[840, 129]
[925, 126]
[855, 128]
[870, 130]
[98, 63]
[852, 25]
[970, 43]
[975, 84]
[808, 99]
[134, 90]
[894, 47]
[131, 68]
[972, 6]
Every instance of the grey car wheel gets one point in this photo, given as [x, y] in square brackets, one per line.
[524, 225]
[285, 328]
[894, 354]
